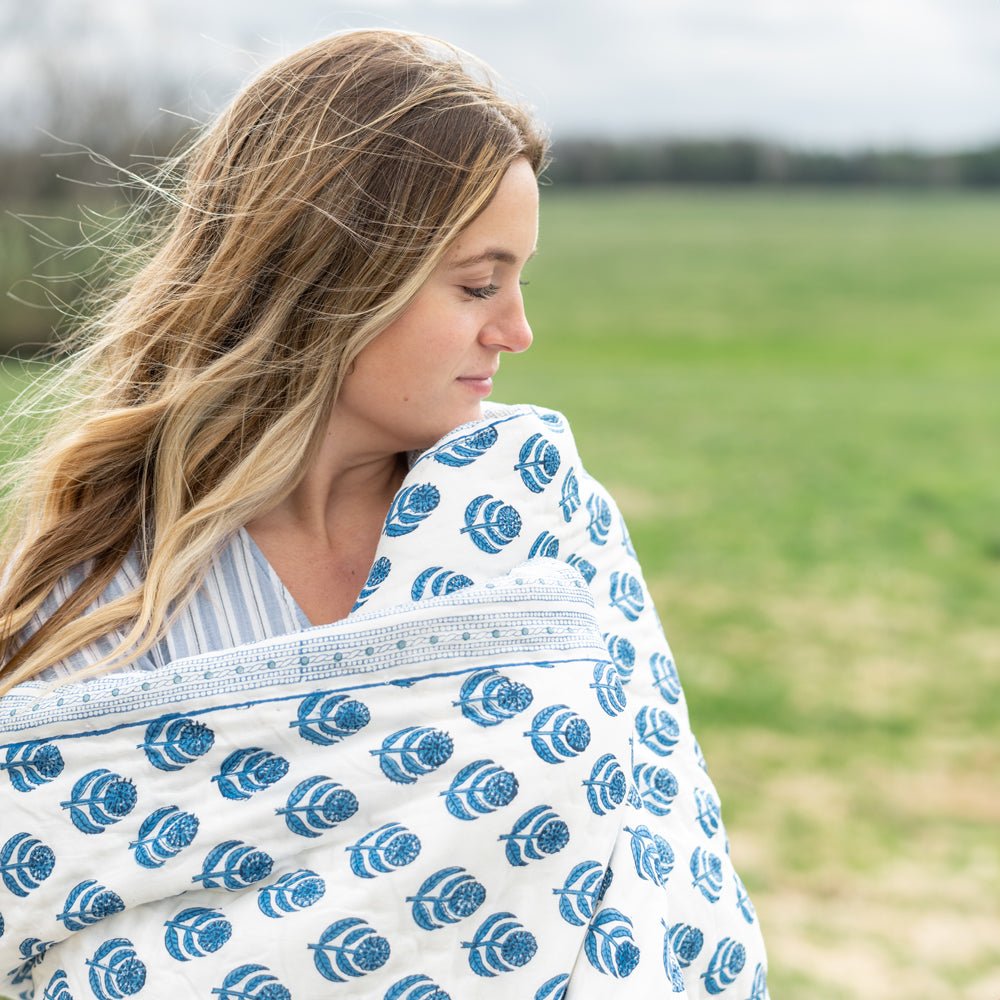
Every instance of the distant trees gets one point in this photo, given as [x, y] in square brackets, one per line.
[32, 174]
[48, 170]
[750, 161]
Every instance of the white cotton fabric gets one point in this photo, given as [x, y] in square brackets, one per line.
[482, 783]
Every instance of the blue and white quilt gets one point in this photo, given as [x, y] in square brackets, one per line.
[480, 784]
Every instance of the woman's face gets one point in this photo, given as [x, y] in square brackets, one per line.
[429, 370]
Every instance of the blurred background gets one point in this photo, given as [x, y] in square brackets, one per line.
[768, 299]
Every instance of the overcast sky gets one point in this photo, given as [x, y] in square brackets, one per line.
[833, 73]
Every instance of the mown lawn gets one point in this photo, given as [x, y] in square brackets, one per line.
[796, 400]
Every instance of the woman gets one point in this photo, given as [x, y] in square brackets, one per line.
[279, 421]
[209, 385]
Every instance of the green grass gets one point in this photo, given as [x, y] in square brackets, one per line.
[795, 399]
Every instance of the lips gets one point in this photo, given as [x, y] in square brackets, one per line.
[482, 385]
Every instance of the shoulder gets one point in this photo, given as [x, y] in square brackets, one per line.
[127, 577]
[535, 431]
[526, 413]
[193, 626]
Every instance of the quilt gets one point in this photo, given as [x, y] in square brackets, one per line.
[482, 783]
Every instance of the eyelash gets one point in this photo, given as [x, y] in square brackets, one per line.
[481, 291]
[485, 291]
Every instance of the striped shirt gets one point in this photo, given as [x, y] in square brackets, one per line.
[241, 599]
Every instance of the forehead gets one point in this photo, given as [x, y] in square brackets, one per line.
[506, 230]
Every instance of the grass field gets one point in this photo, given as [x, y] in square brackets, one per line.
[796, 400]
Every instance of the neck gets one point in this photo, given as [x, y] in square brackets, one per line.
[340, 487]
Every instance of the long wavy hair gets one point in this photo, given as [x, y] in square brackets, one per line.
[298, 225]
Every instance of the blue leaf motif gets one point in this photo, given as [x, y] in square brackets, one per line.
[569, 502]
[626, 595]
[706, 873]
[586, 569]
[758, 989]
[600, 518]
[665, 677]
[671, 966]
[709, 813]
[626, 538]
[583, 889]
[743, 900]
[606, 786]
[32, 951]
[99, 799]
[657, 730]
[537, 462]
[556, 421]
[438, 582]
[557, 733]
[545, 546]
[610, 946]
[608, 687]
[622, 654]
[196, 932]
[25, 863]
[652, 855]
[316, 805]
[248, 771]
[447, 896]
[501, 944]
[116, 970]
[466, 449]
[234, 865]
[172, 743]
[409, 507]
[657, 787]
[58, 987]
[488, 698]
[633, 797]
[412, 752]
[383, 850]
[491, 523]
[536, 833]
[326, 719]
[31, 764]
[479, 788]
[349, 948]
[292, 892]
[686, 940]
[376, 577]
[88, 902]
[163, 835]
[251, 982]
[724, 966]
[416, 988]
[554, 988]
[699, 756]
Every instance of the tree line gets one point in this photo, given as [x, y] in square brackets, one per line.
[749, 161]
[42, 175]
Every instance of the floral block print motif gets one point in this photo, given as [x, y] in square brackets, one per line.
[483, 782]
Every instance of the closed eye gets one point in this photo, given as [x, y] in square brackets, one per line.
[481, 291]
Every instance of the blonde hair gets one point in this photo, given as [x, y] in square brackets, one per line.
[303, 221]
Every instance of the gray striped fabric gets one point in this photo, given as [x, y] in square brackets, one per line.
[241, 600]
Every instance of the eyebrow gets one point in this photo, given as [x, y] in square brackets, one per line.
[493, 254]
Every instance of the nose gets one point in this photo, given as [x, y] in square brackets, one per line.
[510, 331]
